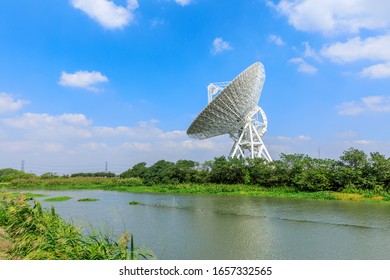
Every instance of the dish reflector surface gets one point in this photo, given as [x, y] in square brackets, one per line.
[228, 111]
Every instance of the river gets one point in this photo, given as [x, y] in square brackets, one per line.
[206, 227]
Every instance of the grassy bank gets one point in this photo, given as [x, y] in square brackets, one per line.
[135, 185]
[42, 235]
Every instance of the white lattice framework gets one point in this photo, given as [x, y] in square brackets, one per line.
[233, 110]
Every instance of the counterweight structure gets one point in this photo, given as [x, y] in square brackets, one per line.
[233, 109]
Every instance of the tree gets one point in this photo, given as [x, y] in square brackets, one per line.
[9, 174]
[380, 170]
[354, 158]
[139, 170]
[229, 171]
[161, 172]
[185, 170]
[261, 172]
[354, 169]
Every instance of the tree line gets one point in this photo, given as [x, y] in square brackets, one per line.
[353, 170]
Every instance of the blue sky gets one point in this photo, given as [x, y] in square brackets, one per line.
[85, 82]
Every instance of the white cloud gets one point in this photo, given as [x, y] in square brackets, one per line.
[365, 104]
[219, 45]
[303, 66]
[335, 16]
[137, 146]
[368, 21]
[82, 79]
[277, 40]
[381, 70]
[106, 12]
[9, 104]
[350, 108]
[73, 140]
[183, 2]
[47, 126]
[310, 52]
[357, 49]
[372, 48]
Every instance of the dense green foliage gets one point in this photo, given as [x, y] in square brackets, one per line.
[9, 174]
[353, 171]
[40, 234]
[95, 174]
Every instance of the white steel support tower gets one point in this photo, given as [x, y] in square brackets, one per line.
[247, 141]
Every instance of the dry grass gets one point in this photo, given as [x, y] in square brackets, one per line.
[5, 245]
[377, 198]
[348, 196]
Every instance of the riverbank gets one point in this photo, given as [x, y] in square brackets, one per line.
[134, 185]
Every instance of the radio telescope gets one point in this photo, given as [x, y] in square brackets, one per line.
[233, 109]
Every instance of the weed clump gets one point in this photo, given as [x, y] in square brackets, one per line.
[57, 199]
[87, 199]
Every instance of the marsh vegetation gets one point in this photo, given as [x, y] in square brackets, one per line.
[41, 234]
[354, 176]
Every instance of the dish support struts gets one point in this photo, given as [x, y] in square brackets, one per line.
[247, 140]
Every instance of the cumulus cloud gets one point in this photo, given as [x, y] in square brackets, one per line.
[353, 17]
[9, 104]
[303, 66]
[381, 70]
[82, 79]
[334, 16]
[365, 104]
[372, 48]
[107, 13]
[48, 126]
[368, 49]
[219, 45]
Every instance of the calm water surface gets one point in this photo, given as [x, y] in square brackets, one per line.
[218, 227]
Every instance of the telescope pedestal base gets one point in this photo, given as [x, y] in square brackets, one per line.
[248, 144]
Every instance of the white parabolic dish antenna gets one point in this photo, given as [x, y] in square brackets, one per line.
[233, 109]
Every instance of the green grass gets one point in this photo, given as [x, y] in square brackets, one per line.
[57, 199]
[88, 199]
[135, 185]
[39, 234]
